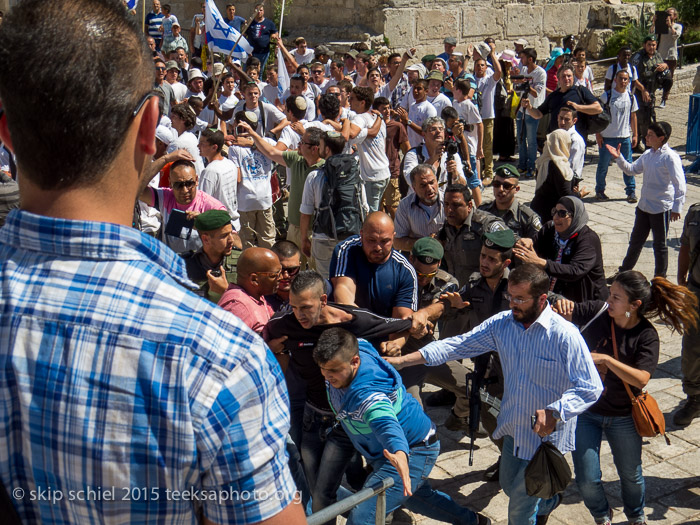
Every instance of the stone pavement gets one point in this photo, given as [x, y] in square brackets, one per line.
[672, 472]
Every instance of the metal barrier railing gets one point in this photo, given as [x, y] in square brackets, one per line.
[344, 505]
[681, 47]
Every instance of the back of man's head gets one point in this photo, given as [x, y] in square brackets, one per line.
[214, 138]
[68, 123]
[329, 106]
[335, 343]
[285, 249]
[335, 142]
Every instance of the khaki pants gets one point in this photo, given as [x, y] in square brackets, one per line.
[488, 149]
[257, 228]
[294, 235]
[321, 253]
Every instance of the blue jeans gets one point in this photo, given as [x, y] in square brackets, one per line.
[522, 509]
[604, 162]
[527, 142]
[425, 500]
[374, 189]
[473, 181]
[263, 60]
[626, 446]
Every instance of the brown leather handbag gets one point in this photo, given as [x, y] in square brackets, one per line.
[648, 418]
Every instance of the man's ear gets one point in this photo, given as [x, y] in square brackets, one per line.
[147, 127]
[4, 132]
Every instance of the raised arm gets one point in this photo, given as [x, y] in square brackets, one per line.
[267, 149]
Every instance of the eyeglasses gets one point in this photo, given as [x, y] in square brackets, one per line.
[335, 94]
[183, 184]
[560, 213]
[426, 275]
[506, 185]
[291, 270]
[309, 144]
[160, 69]
[142, 102]
[516, 300]
[317, 72]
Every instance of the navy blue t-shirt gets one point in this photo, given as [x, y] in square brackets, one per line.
[556, 99]
[258, 35]
[380, 287]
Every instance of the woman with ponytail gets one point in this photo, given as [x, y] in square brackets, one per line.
[626, 316]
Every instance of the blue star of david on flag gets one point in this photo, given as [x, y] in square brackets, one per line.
[220, 36]
[131, 4]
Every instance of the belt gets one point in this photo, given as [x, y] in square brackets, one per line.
[427, 442]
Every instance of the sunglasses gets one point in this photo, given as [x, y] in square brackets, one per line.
[291, 270]
[560, 213]
[506, 185]
[183, 184]
[160, 69]
[426, 275]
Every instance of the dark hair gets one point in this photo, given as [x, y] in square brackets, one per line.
[182, 164]
[565, 67]
[285, 249]
[186, 113]
[460, 188]
[675, 305]
[463, 85]
[329, 106]
[422, 81]
[448, 112]
[373, 69]
[166, 6]
[379, 102]
[661, 129]
[214, 138]
[335, 143]
[303, 66]
[196, 63]
[57, 129]
[307, 279]
[624, 49]
[392, 56]
[529, 52]
[364, 94]
[578, 49]
[335, 342]
[297, 78]
[535, 276]
[252, 62]
[241, 117]
[569, 109]
[195, 103]
[314, 135]
[345, 85]
[420, 169]
[292, 107]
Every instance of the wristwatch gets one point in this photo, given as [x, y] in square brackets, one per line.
[409, 122]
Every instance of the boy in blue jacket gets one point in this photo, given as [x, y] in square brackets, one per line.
[387, 426]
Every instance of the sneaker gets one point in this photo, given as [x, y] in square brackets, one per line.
[639, 522]
[632, 198]
[663, 104]
[456, 424]
[601, 196]
[491, 473]
[690, 411]
[607, 520]
[522, 171]
[441, 398]
[529, 175]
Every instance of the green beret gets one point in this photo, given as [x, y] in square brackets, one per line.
[507, 171]
[428, 58]
[211, 220]
[501, 240]
[428, 250]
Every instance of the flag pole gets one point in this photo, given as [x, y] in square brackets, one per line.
[143, 16]
[281, 19]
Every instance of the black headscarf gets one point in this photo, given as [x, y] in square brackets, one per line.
[579, 216]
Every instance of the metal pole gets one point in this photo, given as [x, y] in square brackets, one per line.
[380, 516]
[344, 505]
[281, 19]
[143, 16]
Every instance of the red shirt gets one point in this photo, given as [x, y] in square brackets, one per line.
[253, 312]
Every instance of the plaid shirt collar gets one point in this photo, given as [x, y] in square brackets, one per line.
[89, 240]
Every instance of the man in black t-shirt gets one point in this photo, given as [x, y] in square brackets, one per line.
[578, 98]
[309, 315]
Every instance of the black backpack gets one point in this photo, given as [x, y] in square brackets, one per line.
[340, 213]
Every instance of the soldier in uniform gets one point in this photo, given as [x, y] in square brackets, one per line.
[689, 275]
[653, 74]
[461, 235]
[518, 217]
[213, 266]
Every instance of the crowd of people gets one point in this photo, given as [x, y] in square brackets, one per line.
[218, 284]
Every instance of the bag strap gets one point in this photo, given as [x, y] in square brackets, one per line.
[602, 309]
[614, 342]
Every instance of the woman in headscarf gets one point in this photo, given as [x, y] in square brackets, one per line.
[556, 59]
[554, 174]
[569, 251]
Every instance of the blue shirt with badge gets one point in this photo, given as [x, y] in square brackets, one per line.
[380, 287]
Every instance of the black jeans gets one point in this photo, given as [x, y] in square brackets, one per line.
[644, 222]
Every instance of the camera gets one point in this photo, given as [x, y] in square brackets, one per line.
[240, 130]
[216, 273]
[451, 147]
[523, 87]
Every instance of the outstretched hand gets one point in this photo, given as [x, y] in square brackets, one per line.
[400, 462]
[615, 152]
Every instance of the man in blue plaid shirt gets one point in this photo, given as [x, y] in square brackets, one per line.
[124, 397]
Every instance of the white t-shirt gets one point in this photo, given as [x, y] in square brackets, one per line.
[311, 198]
[291, 139]
[538, 83]
[419, 113]
[226, 103]
[209, 117]
[306, 58]
[440, 102]
[271, 93]
[220, 180]
[621, 106]
[310, 95]
[188, 141]
[374, 164]
[179, 90]
[468, 111]
[411, 160]
[487, 86]
[254, 190]
[190, 94]
[198, 19]
[273, 116]
[407, 101]
[631, 70]
[577, 152]
[323, 85]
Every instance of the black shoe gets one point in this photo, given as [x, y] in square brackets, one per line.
[688, 412]
[601, 196]
[632, 198]
[441, 398]
[456, 424]
[491, 473]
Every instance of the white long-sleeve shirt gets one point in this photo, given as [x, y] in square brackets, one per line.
[664, 180]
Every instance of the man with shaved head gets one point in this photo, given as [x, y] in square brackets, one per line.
[367, 271]
[258, 272]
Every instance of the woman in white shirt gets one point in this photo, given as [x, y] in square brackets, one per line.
[668, 47]
[622, 132]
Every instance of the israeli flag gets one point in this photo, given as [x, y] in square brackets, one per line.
[220, 36]
[131, 4]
